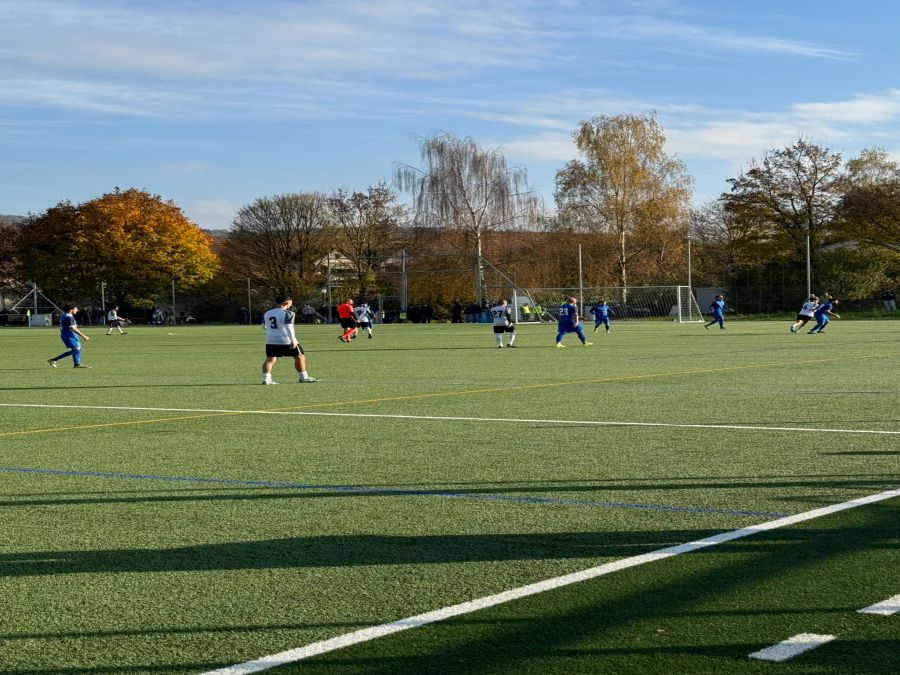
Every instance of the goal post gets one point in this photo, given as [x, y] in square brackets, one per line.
[672, 303]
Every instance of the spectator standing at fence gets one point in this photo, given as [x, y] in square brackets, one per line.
[889, 299]
[69, 334]
[570, 322]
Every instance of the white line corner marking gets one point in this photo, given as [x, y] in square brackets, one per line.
[886, 608]
[792, 647]
[382, 630]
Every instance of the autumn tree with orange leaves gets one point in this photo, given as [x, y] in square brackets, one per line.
[135, 242]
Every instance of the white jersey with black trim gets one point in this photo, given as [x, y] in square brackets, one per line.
[809, 308]
[363, 314]
[279, 325]
[502, 315]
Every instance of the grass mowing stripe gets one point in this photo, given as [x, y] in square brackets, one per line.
[438, 418]
[365, 489]
[382, 630]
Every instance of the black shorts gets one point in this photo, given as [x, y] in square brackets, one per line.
[509, 328]
[803, 317]
[347, 323]
[283, 350]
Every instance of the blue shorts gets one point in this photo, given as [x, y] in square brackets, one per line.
[72, 342]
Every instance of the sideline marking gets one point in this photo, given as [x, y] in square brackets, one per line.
[382, 630]
[793, 646]
[375, 490]
[885, 608]
[211, 412]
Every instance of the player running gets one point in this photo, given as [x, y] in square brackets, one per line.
[718, 309]
[823, 311]
[69, 334]
[345, 318]
[503, 323]
[570, 322]
[364, 318]
[806, 313]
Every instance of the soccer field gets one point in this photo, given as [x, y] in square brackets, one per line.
[668, 500]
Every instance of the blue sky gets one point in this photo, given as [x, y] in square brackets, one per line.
[214, 103]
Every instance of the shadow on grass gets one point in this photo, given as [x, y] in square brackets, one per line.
[612, 625]
[344, 551]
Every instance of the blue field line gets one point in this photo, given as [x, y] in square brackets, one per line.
[364, 489]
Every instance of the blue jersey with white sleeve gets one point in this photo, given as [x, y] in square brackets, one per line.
[717, 308]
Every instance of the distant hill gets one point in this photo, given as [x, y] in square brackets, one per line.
[11, 219]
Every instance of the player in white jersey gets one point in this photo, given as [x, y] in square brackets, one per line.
[281, 340]
[503, 323]
[364, 318]
[806, 313]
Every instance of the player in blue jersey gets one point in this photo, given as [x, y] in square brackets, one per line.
[718, 309]
[569, 322]
[69, 334]
[602, 314]
[823, 311]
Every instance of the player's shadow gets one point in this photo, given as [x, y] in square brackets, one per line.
[345, 551]
[709, 608]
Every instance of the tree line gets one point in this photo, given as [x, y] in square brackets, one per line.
[624, 203]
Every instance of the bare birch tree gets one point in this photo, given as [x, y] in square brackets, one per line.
[467, 189]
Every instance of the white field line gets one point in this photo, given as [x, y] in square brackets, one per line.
[886, 608]
[382, 630]
[445, 418]
[791, 647]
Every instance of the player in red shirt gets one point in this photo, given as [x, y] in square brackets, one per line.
[347, 321]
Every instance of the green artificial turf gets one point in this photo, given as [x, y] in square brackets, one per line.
[218, 520]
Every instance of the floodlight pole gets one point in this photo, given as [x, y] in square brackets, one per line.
[328, 284]
[249, 305]
[103, 303]
[580, 284]
[689, 262]
[808, 269]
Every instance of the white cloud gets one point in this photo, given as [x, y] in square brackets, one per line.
[212, 213]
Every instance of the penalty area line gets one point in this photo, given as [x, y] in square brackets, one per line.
[385, 629]
[444, 418]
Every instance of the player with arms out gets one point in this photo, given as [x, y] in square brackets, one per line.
[69, 334]
[281, 340]
[602, 313]
[503, 323]
[570, 322]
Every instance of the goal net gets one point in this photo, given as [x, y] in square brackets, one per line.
[672, 303]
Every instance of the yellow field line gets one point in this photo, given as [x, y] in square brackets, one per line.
[115, 424]
[596, 380]
[461, 392]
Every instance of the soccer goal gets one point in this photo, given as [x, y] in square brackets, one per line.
[673, 303]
